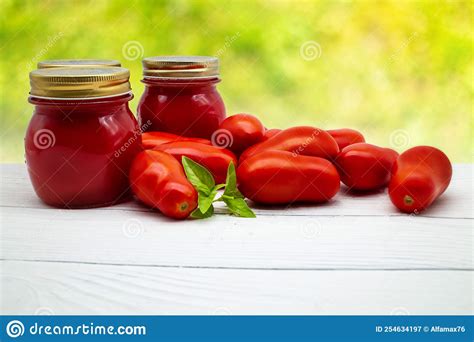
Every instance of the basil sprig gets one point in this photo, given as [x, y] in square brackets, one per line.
[206, 188]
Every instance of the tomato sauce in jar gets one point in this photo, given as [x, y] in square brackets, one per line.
[82, 136]
[180, 95]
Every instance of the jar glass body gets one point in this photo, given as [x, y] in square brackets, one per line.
[188, 108]
[79, 152]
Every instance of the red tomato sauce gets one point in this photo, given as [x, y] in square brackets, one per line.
[192, 109]
[79, 152]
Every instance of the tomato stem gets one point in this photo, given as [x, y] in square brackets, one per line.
[408, 200]
[183, 206]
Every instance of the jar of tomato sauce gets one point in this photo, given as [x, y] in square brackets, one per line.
[78, 63]
[82, 136]
[180, 95]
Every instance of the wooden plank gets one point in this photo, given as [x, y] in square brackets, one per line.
[63, 289]
[16, 191]
[147, 238]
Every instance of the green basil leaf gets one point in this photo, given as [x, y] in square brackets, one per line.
[206, 187]
[231, 183]
[198, 214]
[219, 186]
[238, 207]
[205, 201]
[198, 175]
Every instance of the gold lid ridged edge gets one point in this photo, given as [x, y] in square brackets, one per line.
[181, 67]
[79, 82]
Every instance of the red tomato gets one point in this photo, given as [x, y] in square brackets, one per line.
[364, 166]
[346, 136]
[270, 133]
[158, 180]
[302, 140]
[419, 176]
[153, 139]
[280, 177]
[215, 159]
[243, 130]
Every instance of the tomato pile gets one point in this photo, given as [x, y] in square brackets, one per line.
[178, 175]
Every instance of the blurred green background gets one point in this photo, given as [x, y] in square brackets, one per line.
[399, 71]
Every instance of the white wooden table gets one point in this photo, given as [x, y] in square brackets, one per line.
[355, 255]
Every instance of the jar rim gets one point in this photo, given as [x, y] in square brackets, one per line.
[89, 100]
[179, 81]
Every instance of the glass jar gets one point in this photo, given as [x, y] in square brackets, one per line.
[180, 95]
[78, 63]
[82, 136]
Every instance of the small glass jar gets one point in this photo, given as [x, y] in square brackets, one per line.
[180, 95]
[78, 63]
[82, 136]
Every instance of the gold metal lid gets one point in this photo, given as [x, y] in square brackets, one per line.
[79, 82]
[188, 67]
[78, 63]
